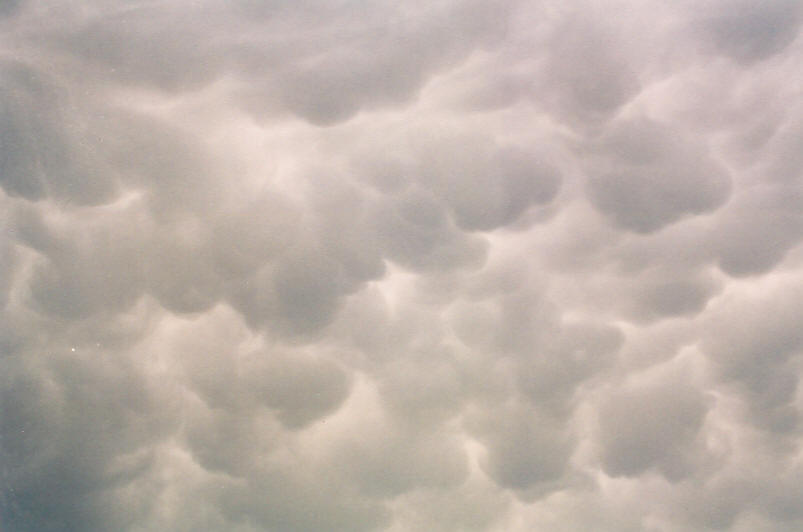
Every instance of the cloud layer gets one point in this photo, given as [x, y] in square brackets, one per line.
[447, 266]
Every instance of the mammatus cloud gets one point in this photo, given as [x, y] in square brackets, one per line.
[448, 266]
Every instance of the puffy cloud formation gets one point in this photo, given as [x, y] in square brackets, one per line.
[399, 266]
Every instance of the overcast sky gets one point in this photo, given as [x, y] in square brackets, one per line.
[417, 266]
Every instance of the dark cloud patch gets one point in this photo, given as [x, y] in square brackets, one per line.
[655, 178]
[73, 426]
[657, 294]
[525, 451]
[748, 32]
[488, 189]
[9, 7]
[586, 75]
[768, 223]
[652, 425]
[44, 153]
[322, 62]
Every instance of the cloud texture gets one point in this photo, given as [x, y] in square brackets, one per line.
[449, 265]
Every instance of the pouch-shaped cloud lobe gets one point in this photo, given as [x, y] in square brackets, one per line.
[450, 266]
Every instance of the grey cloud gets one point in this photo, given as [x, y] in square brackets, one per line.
[748, 32]
[514, 323]
[488, 190]
[717, 504]
[586, 76]
[480, 183]
[781, 501]
[142, 44]
[524, 450]
[651, 425]
[768, 223]
[53, 472]
[655, 177]
[473, 506]
[9, 7]
[404, 233]
[740, 498]
[247, 232]
[396, 462]
[291, 60]
[677, 298]
[302, 389]
[307, 290]
[41, 155]
[225, 441]
[658, 294]
[433, 266]
[426, 388]
[272, 502]
[229, 374]
[753, 341]
[7, 264]
[331, 86]
[571, 64]
[785, 162]
[76, 279]
[551, 373]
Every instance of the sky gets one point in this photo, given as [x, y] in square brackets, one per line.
[442, 266]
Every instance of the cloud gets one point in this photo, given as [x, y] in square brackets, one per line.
[645, 425]
[746, 33]
[443, 266]
[524, 450]
[41, 158]
[655, 177]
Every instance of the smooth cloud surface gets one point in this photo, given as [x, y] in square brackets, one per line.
[447, 266]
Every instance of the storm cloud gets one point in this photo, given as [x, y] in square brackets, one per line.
[376, 266]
